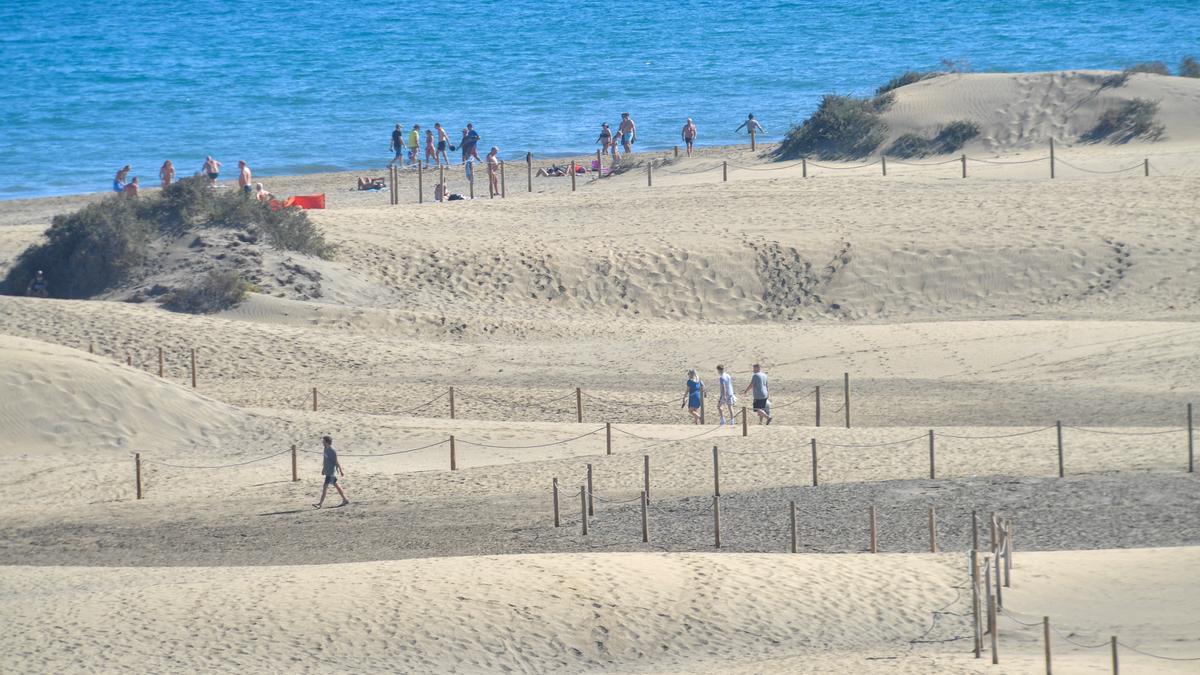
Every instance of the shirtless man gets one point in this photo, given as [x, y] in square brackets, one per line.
[628, 132]
[132, 189]
[212, 168]
[689, 135]
[443, 141]
[752, 126]
[244, 177]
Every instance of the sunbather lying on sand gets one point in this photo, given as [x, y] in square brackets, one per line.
[367, 183]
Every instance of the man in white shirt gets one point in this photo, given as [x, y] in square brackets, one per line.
[726, 399]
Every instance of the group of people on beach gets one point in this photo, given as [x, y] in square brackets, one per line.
[211, 169]
[695, 393]
[437, 142]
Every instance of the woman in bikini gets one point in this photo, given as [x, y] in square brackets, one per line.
[431, 154]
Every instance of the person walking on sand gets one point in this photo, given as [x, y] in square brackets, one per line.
[689, 135]
[762, 402]
[694, 395]
[470, 143]
[330, 469]
[397, 146]
[212, 168]
[443, 142]
[726, 399]
[244, 177]
[167, 174]
[119, 179]
[628, 132]
[752, 126]
[493, 163]
[431, 155]
[414, 144]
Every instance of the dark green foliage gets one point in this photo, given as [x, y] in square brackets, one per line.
[1189, 67]
[100, 246]
[211, 293]
[842, 127]
[85, 252]
[1152, 67]
[1127, 121]
[905, 79]
[949, 139]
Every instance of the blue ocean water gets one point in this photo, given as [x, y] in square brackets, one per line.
[304, 85]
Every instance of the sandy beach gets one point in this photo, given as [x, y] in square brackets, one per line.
[975, 318]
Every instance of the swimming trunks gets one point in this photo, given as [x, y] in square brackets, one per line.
[625, 139]
[441, 146]
[118, 186]
[212, 175]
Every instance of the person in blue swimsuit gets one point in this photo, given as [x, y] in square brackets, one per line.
[695, 394]
[119, 179]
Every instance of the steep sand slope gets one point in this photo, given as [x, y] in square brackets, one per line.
[1021, 111]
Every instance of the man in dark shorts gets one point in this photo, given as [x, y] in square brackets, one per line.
[330, 469]
[397, 146]
[37, 287]
[762, 401]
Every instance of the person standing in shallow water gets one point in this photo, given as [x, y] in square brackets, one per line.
[330, 469]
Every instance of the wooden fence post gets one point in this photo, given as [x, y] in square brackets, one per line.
[420, 182]
[804, 167]
[795, 532]
[1046, 641]
[1116, 666]
[591, 506]
[676, 152]
[716, 473]
[451, 402]
[1058, 431]
[649, 175]
[578, 405]
[646, 476]
[470, 172]
[554, 498]
[91, 347]
[932, 461]
[1052, 159]
[160, 363]
[702, 397]
[716, 521]
[1146, 167]
[995, 628]
[814, 461]
[973, 563]
[608, 438]
[645, 521]
[932, 531]
[502, 191]
[846, 387]
[974, 531]
[871, 516]
[529, 169]
[583, 509]
[453, 458]
[1191, 441]
[137, 470]
[817, 391]
[964, 166]
[883, 163]
[745, 423]
[314, 401]
[572, 176]
[724, 172]
[295, 470]
[193, 367]
[129, 360]
[442, 180]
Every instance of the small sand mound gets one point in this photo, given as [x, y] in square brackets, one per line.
[63, 399]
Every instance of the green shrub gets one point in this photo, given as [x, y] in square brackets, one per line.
[1127, 121]
[910, 145]
[102, 244]
[1189, 67]
[949, 138]
[905, 79]
[1152, 67]
[842, 127]
[213, 292]
[85, 252]
[955, 135]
